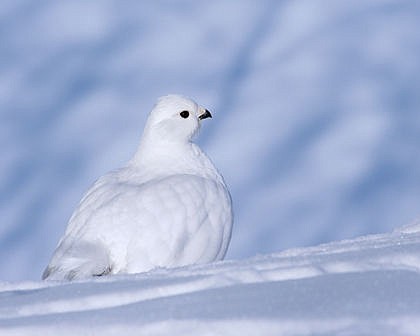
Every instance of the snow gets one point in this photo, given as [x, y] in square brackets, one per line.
[365, 286]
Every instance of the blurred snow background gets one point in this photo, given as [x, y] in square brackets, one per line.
[316, 110]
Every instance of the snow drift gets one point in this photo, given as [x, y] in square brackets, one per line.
[363, 286]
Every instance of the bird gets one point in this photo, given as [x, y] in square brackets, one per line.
[167, 207]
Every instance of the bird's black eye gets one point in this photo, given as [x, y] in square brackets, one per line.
[185, 114]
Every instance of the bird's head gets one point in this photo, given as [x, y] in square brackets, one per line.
[175, 118]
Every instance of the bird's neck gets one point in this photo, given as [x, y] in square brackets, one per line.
[163, 157]
[157, 150]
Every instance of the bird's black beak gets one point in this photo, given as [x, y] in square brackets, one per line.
[205, 115]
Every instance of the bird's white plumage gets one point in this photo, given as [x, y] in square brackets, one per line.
[168, 207]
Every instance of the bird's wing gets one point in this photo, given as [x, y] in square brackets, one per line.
[183, 219]
[170, 221]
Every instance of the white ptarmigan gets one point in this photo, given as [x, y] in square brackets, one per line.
[168, 207]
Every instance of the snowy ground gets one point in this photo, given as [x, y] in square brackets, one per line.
[366, 286]
[315, 103]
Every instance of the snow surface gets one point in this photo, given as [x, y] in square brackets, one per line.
[366, 286]
[315, 103]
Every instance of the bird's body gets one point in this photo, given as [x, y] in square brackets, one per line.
[168, 207]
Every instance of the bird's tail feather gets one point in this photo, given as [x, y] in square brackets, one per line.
[79, 261]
